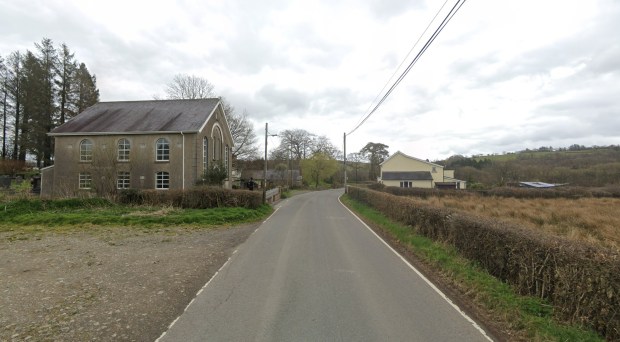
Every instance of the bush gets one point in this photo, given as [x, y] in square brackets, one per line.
[582, 281]
[202, 197]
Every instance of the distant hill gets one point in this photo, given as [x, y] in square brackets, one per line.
[576, 165]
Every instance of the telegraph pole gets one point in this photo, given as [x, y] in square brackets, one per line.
[265, 170]
[345, 161]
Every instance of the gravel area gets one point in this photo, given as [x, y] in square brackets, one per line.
[105, 284]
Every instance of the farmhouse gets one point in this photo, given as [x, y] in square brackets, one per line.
[138, 145]
[404, 171]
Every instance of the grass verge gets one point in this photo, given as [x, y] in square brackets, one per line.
[75, 214]
[527, 317]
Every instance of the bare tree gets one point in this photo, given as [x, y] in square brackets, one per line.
[357, 160]
[189, 87]
[323, 145]
[185, 86]
[298, 141]
[242, 133]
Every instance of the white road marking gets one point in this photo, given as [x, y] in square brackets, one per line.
[456, 307]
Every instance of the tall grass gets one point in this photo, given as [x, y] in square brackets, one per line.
[594, 220]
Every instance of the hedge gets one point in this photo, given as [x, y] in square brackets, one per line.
[581, 281]
[559, 192]
[195, 198]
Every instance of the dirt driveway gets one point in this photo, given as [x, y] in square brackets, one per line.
[105, 284]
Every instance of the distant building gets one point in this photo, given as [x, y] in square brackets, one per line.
[274, 177]
[138, 144]
[401, 170]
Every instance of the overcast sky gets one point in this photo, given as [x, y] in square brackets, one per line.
[502, 76]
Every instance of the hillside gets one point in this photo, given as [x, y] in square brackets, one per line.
[577, 165]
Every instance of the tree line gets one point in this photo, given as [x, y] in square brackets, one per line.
[596, 166]
[40, 90]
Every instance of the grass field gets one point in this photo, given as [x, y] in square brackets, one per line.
[594, 220]
[72, 214]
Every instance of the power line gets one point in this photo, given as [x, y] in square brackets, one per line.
[407, 56]
[443, 24]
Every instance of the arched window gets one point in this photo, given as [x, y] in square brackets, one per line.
[226, 151]
[205, 153]
[86, 150]
[162, 180]
[162, 150]
[217, 143]
[124, 147]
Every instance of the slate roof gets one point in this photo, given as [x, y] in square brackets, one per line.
[140, 117]
[410, 157]
[409, 176]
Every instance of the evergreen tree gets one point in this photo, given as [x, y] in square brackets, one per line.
[3, 99]
[14, 91]
[86, 92]
[33, 101]
[376, 153]
[46, 116]
[67, 69]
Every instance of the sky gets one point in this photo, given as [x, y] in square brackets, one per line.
[502, 76]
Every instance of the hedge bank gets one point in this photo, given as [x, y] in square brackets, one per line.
[203, 197]
[581, 281]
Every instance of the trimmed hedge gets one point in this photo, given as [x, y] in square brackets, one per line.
[196, 198]
[581, 281]
[560, 192]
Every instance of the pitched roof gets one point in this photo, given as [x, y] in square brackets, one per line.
[410, 157]
[409, 176]
[141, 117]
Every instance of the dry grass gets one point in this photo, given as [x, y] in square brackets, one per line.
[595, 220]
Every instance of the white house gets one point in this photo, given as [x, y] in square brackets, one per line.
[404, 171]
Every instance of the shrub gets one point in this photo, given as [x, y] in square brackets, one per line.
[215, 174]
[201, 197]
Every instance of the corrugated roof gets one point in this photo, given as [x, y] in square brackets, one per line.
[538, 185]
[141, 116]
[409, 176]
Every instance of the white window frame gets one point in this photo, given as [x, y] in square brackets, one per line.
[162, 150]
[205, 153]
[226, 151]
[123, 149]
[123, 180]
[85, 181]
[406, 184]
[86, 150]
[162, 180]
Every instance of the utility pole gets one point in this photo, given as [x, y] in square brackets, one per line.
[265, 170]
[345, 162]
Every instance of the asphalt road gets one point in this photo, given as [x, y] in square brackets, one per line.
[314, 272]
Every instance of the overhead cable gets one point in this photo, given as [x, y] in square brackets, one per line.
[443, 24]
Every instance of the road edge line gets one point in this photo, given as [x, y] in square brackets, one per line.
[435, 288]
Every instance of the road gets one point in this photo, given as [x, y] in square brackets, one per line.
[314, 272]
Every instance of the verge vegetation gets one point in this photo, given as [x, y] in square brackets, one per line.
[35, 215]
[581, 281]
[522, 317]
